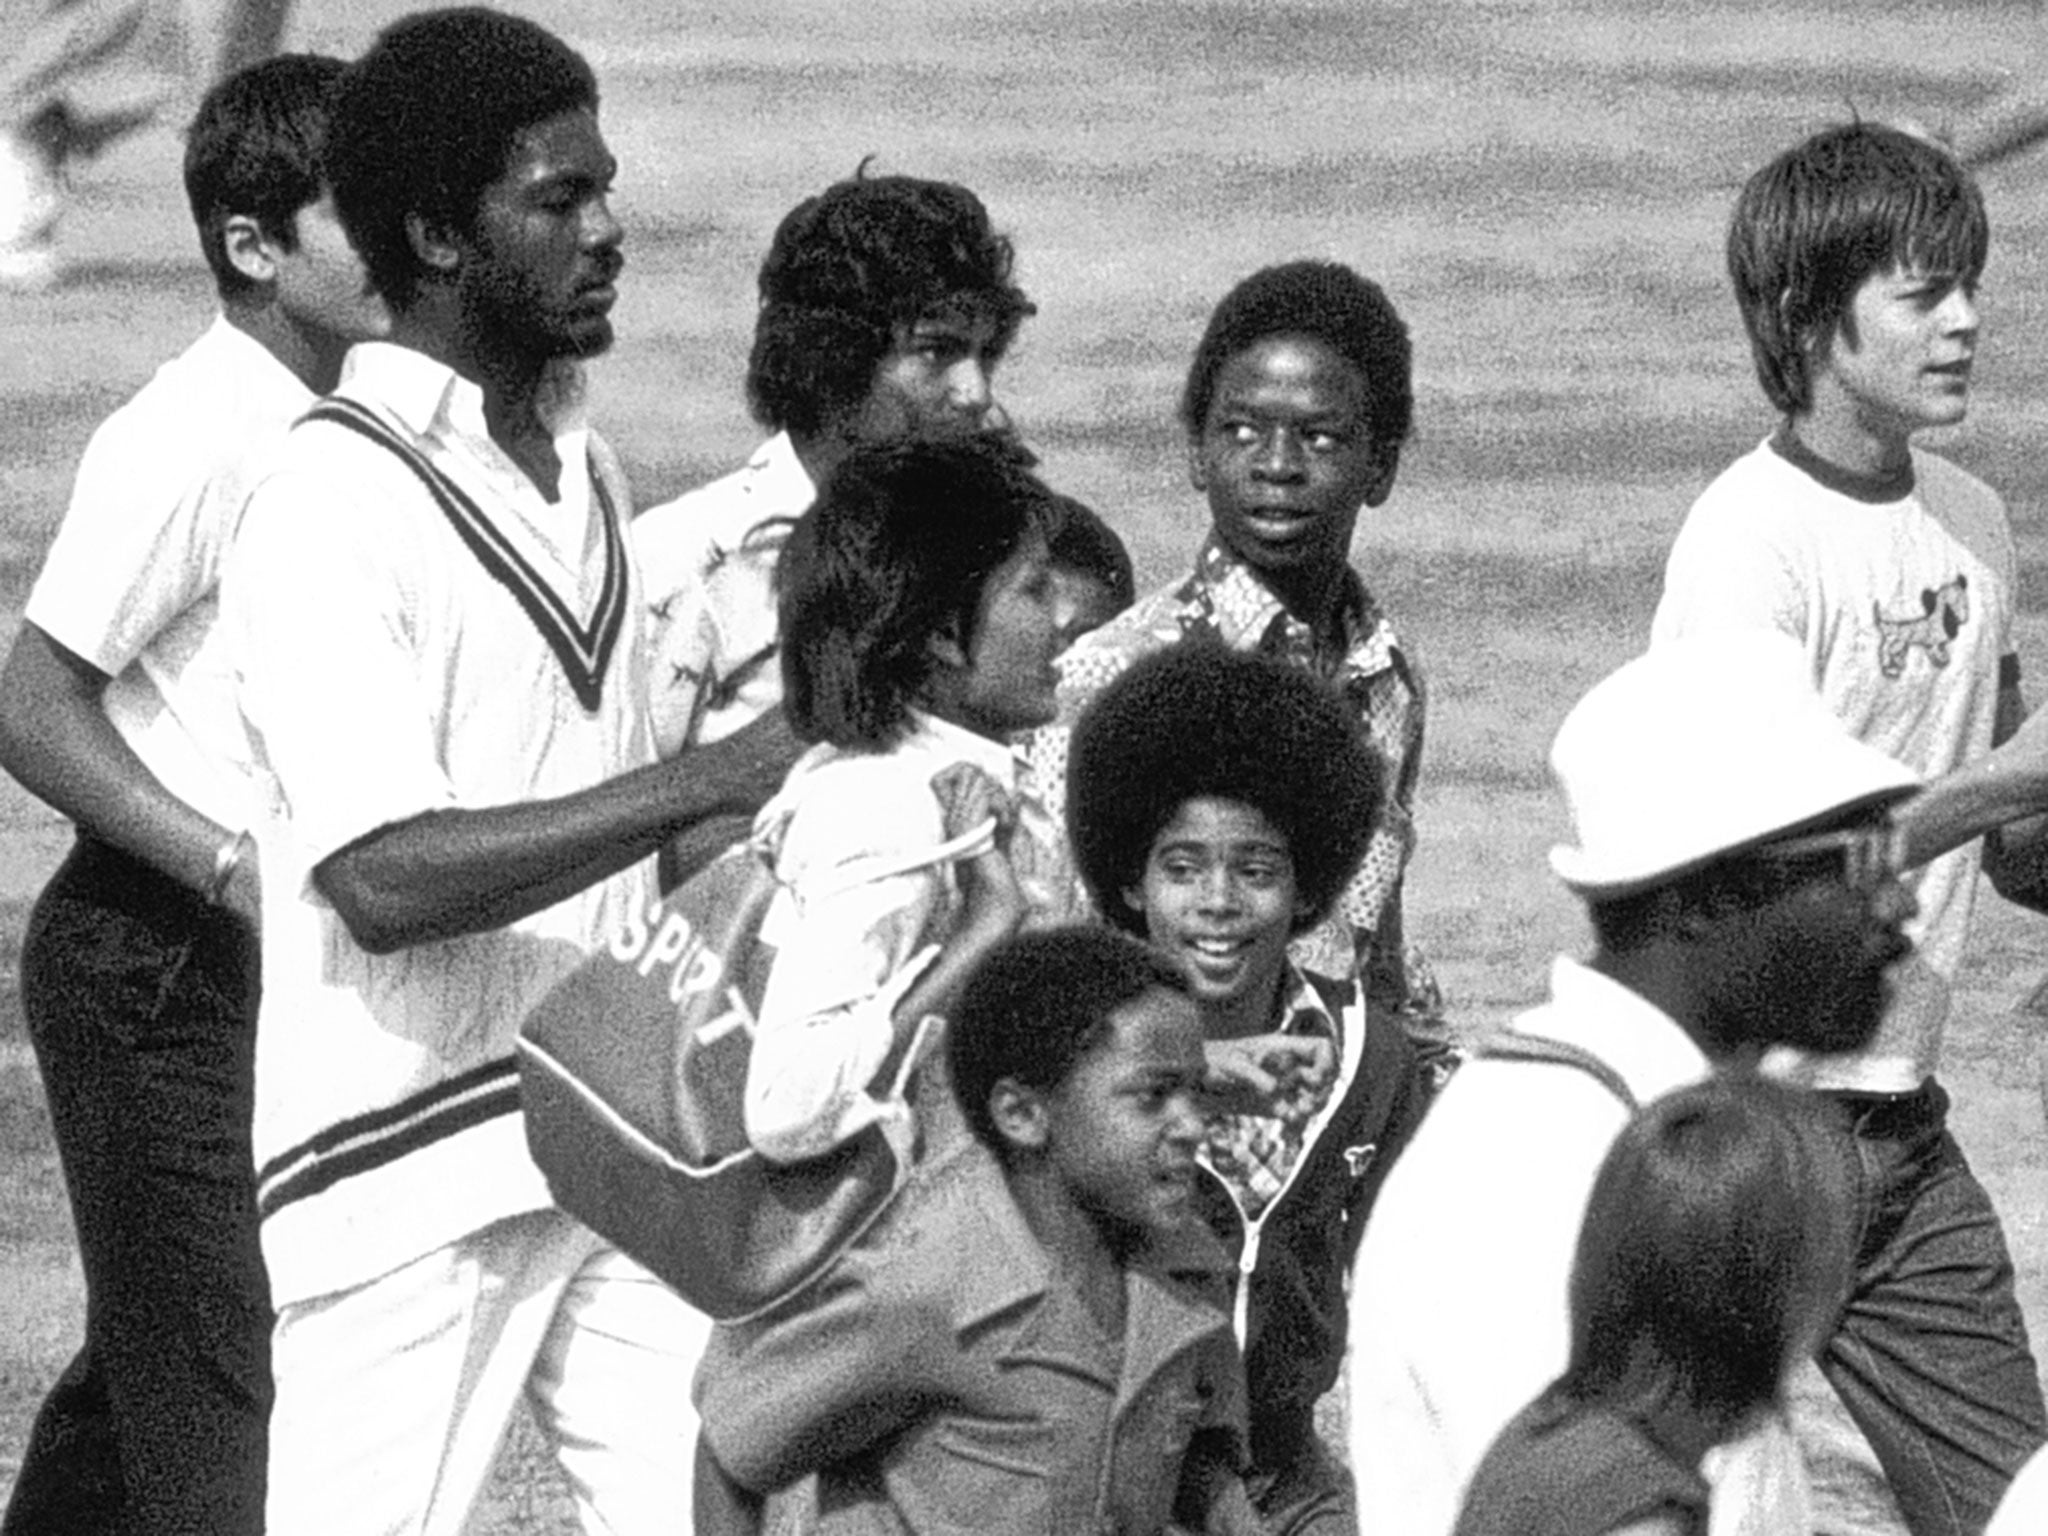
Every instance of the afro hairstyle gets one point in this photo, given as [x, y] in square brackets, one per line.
[1198, 720]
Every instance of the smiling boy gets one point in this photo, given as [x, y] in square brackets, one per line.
[1855, 258]
[1218, 802]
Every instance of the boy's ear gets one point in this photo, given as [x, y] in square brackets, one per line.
[1019, 1114]
[435, 247]
[249, 251]
[1198, 474]
[1812, 343]
[1134, 898]
[946, 647]
[1383, 479]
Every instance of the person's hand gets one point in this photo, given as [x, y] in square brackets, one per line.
[1287, 1076]
[967, 797]
[989, 889]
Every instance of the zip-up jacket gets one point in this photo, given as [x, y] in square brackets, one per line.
[1290, 1307]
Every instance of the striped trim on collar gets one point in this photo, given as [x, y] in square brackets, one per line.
[583, 649]
[365, 1142]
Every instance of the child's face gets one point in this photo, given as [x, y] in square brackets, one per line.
[1121, 1129]
[1005, 679]
[935, 382]
[1218, 897]
[1286, 455]
[1901, 360]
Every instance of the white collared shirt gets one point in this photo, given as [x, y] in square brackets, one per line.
[131, 582]
[387, 671]
[709, 560]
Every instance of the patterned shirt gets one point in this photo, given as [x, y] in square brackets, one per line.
[708, 561]
[1254, 1154]
[402, 654]
[1224, 600]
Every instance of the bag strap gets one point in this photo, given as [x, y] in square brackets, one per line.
[975, 840]
[1515, 1045]
[584, 650]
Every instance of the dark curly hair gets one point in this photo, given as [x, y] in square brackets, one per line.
[897, 549]
[426, 120]
[254, 149]
[1814, 224]
[1038, 1004]
[1198, 720]
[850, 266]
[1329, 302]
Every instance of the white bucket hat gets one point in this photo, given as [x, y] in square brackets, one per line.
[1703, 747]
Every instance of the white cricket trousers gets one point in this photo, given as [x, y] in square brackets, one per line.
[393, 1398]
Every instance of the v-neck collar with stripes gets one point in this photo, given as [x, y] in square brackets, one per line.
[563, 561]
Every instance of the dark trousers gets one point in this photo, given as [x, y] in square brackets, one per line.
[1931, 1356]
[141, 1005]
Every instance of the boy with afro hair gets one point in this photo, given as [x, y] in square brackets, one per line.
[1217, 803]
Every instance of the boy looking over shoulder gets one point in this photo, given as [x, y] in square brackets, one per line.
[1855, 258]
[139, 970]
[1296, 405]
[1035, 1340]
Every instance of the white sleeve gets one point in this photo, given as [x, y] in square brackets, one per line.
[141, 542]
[680, 637]
[341, 710]
[1726, 572]
[866, 896]
[844, 959]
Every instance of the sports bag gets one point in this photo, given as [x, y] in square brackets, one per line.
[632, 1072]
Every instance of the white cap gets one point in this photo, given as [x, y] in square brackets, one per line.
[1701, 748]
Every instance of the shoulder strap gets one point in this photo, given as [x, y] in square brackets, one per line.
[584, 650]
[1514, 1045]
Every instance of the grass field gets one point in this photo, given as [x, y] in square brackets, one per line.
[1540, 186]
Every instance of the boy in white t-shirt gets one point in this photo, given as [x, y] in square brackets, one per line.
[1855, 258]
[139, 967]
